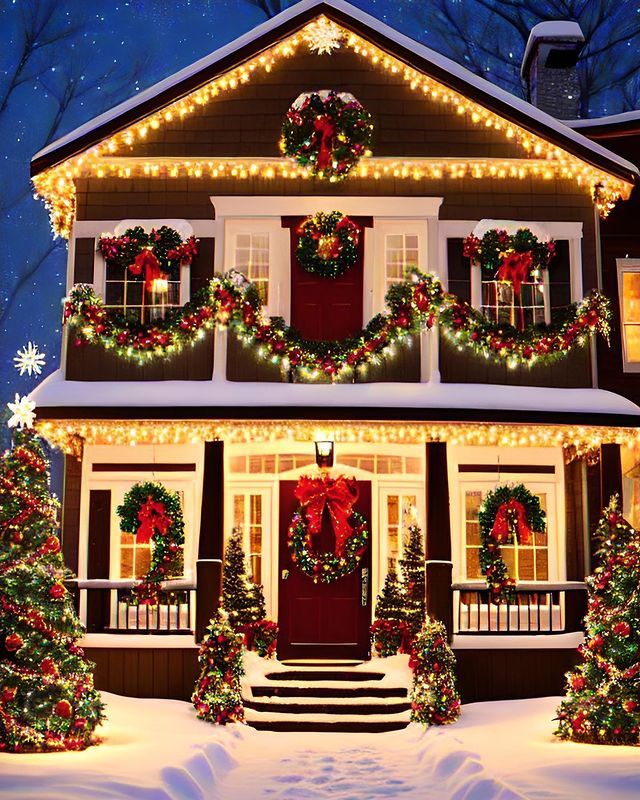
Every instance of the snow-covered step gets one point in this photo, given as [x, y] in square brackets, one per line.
[328, 673]
[325, 689]
[334, 705]
[345, 723]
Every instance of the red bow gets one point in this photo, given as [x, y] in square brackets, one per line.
[338, 494]
[511, 516]
[325, 127]
[153, 517]
[515, 268]
[147, 261]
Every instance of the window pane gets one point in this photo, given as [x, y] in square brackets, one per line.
[542, 565]
[238, 510]
[509, 558]
[632, 336]
[142, 560]
[394, 241]
[473, 533]
[473, 563]
[256, 509]
[411, 242]
[126, 562]
[392, 509]
[472, 504]
[631, 296]
[525, 564]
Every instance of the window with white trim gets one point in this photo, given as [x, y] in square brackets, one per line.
[399, 509]
[129, 294]
[501, 305]
[252, 258]
[399, 245]
[250, 515]
[400, 253]
[629, 293]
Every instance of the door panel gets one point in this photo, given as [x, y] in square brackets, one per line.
[319, 620]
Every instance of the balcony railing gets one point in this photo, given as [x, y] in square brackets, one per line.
[110, 606]
[538, 608]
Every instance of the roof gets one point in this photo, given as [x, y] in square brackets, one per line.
[57, 398]
[627, 122]
[407, 50]
[552, 30]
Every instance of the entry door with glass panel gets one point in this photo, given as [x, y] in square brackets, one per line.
[399, 508]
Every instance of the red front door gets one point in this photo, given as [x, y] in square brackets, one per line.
[323, 620]
[326, 308]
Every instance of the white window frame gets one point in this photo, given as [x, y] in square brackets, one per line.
[404, 489]
[246, 488]
[376, 276]
[626, 265]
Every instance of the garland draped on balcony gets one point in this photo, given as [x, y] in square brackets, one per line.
[412, 305]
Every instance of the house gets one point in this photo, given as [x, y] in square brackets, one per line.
[427, 426]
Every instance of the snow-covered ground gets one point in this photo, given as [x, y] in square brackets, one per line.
[158, 750]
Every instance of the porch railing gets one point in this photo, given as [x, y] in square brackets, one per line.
[110, 606]
[538, 608]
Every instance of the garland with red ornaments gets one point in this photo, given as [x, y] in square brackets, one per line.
[337, 496]
[327, 132]
[507, 514]
[261, 636]
[153, 514]
[328, 244]
[152, 256]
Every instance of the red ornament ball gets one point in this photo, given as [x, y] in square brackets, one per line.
[63, 709]
[8, 694]
[622, 628]
[48, 666]
[57, 591]
[13, 642]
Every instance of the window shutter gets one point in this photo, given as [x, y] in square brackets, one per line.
[459, 270]
[202, 265]
[98, 600]
[83, 256]
[560, 276]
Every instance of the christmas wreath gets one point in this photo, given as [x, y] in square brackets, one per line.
[510, 257]
[328, 244]
[328, 132]
[153, 513]
[157, 254]
[507, 514]
[338, 496]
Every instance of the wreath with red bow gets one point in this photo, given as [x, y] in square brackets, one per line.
[328, 132]
[328, 244]
[153, 513]
[507, 514]
[150, 256]
[338, 496]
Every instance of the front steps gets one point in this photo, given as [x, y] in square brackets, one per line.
[331, 696]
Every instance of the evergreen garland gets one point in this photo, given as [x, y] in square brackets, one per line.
[217, 696]
[165, 243]
[47, 697]
[434, 694]
[602, 704]
[412, 569]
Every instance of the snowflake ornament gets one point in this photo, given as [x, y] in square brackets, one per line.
[29, 360]
[23, 414]
[322, 36]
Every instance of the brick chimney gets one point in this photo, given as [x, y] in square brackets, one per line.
[549, 68]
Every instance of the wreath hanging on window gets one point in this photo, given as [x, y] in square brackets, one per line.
[156, 256]
[328, 244]
[328, 132]
[337, 495]
[508, 513]
[153, 514]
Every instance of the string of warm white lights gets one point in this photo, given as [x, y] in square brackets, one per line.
[576, 440]
[541, 158]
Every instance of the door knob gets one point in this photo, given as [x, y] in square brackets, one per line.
[284, 574]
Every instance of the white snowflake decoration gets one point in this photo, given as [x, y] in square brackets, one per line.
[29, 360]
[322, 36]
[23, 413]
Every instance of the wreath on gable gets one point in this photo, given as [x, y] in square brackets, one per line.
[328, 132]
[507, 514]
[338, 495]
[153, 513]
[157, 254]
[328, 244]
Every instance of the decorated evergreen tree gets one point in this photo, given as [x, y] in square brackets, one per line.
[217, 695]
[47, 699]
[390, 632]
[602, 705]
[390, 602]
[413, 579]
[241, 601]
[434, 695]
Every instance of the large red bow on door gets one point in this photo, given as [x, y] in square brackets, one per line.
[337, 494]
[511, 517]
[515, 268]
[325, 127]
[147, 261]
[152, 517]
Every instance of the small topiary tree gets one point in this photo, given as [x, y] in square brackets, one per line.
[47, 699]
[413, 579]
[434, 695]
[602, 705]
[217, 696]
[390, 632]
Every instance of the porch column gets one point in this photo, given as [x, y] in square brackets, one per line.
[438, 566]
[610, 472]
[211, 542]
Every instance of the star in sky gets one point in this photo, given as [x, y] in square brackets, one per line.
[29, 360]
[23, 414]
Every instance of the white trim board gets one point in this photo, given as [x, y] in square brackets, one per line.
[239, 206]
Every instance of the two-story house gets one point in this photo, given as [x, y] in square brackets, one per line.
[427, 425]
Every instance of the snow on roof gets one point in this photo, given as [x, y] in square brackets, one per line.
[485, 87]
[612, 119]
[556, 30]
[56, 392]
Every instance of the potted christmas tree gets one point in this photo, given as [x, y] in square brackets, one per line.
[602, 705]
[47, 699]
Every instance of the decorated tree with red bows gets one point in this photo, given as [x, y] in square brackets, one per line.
[434, 694]
[47, 699]
[217, 695]
[602, 705]
[390, 632]
[413, 579]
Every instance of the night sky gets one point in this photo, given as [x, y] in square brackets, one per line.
[88, 55]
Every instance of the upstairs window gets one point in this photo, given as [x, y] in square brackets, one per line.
[400, 253]
[629, 292]
[127, 293]
[251, 257]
